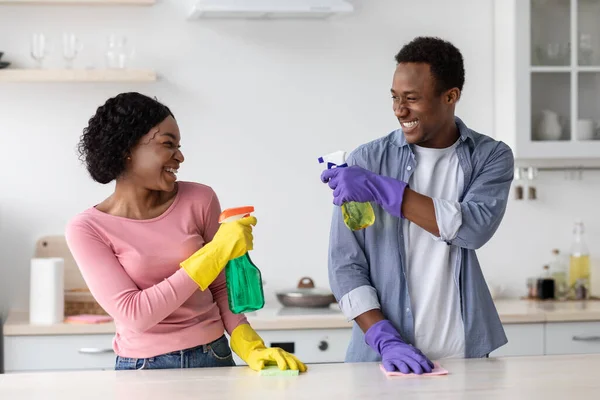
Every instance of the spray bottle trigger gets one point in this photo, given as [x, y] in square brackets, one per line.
[331, 165]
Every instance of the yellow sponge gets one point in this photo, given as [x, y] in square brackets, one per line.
[273, 370]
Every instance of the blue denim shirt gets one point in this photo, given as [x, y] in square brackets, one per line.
[366, 268]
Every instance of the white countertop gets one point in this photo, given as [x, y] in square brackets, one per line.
[529, 311]
[269, 318]
[285, 318]
[515, 378]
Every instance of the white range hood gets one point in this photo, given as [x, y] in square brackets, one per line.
[269, 8]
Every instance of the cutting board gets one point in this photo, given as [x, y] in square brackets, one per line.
[56, 246]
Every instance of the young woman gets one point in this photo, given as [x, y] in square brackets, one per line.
[153, 253]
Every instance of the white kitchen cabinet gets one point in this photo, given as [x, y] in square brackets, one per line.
[58, 352]
[25, 353]
[550, 338]
[309, 345]
[94, 352]
[572, 337]
[547, 69]
[523, 340]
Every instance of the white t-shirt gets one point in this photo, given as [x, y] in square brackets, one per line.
[431, 263]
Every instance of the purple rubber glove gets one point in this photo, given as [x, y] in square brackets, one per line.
[396, 355]
[358, 184]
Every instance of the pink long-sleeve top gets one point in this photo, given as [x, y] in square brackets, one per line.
[132, 269]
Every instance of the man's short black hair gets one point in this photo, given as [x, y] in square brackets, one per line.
[444, 59]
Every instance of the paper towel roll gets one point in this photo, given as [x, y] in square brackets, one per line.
[46, 291]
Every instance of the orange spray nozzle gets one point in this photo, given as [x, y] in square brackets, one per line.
[232, 214]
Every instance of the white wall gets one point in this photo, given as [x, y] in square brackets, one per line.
[257, 103]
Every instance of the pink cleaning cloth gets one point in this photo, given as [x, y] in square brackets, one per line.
[437, 370]
[87, 319]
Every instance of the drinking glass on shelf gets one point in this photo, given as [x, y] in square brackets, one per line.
[71, 47]
[39, 48]
[119, 52]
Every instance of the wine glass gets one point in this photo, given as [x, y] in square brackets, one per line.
[71, 47]
[39, 48]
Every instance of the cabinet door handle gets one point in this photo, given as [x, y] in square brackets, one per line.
[586, 338]
[94, 350]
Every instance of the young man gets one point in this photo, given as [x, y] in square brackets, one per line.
[412, 280]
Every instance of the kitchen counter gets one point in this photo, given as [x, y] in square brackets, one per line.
[515, 378]
[511, 311]
[514, 311]
[269, 318]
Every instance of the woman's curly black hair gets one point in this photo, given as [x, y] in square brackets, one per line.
[116, 127]
[444, 59]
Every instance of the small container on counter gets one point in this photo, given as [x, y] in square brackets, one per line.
[581, 292]
[545, 285]
[531, 288]
[559, 271]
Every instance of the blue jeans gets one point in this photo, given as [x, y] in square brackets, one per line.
[214, 354]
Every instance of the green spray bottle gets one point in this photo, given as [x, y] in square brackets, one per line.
[356, 215]
[244, 281]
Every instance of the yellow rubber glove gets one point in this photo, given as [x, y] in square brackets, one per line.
[232, 240]
[250, 347]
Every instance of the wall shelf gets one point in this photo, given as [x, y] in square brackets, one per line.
[559, 69]
[75, 75]
[81, 2]
[550, 69]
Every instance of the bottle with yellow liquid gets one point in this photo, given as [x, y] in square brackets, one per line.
[579, 265]
[356, 215]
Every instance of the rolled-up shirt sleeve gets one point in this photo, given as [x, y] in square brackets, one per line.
[448, 215]
[484, 203]
[358, 301]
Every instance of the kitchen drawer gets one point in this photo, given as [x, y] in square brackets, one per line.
[572, 337]
[523, 340]
[65, 352]
[309, 345]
